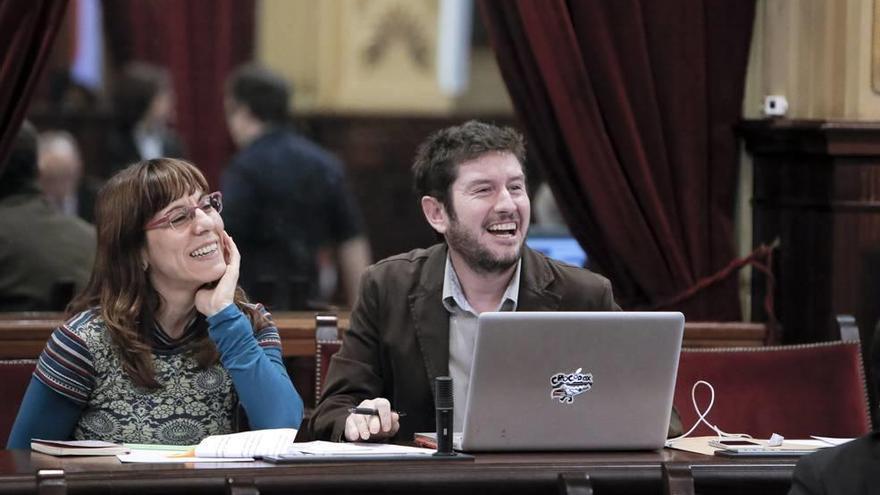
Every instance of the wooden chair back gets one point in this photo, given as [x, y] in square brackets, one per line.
[327, 343]
[794, 390]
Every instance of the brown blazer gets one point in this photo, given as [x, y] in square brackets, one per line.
[398, 339]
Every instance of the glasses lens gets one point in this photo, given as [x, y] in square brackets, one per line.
[216, 201]
[179, 217]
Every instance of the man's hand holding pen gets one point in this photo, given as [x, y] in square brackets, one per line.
[372, 420]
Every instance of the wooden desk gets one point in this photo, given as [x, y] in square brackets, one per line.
[609, 473]
[23, 335]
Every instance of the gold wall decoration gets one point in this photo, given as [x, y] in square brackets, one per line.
[398, 25]
[380, 55]
[371, 56]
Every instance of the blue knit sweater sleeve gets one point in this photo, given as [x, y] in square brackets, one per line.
[44, 413]
[257, 371]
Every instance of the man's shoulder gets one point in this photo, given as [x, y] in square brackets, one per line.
[416, 257]
[44, 222]
[74, 230]
[403, 266]
[570, 273]
[574, 288]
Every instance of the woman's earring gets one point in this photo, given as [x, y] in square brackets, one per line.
[145, 265]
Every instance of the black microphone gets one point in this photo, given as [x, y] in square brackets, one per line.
[443, 404]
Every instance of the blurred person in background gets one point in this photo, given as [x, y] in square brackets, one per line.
[45, 256]
[61, 175]
[143, 102]
[286, 199]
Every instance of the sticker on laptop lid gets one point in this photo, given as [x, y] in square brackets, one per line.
[565, 386]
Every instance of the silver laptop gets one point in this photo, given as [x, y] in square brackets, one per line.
[571, 381]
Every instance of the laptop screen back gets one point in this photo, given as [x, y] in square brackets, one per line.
[572, 380]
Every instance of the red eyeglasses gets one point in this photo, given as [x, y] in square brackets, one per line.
[179, 217]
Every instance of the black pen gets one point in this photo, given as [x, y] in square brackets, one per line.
[369, 411]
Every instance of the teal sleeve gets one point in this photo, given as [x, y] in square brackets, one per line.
[258, 373]
[44, 414]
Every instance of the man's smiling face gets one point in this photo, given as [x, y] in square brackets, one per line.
[489, 212]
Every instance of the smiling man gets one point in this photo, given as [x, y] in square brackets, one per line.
[416, 315]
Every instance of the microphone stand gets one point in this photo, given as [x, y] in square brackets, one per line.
[443, 403]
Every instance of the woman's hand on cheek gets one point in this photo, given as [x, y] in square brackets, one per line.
[209, 301]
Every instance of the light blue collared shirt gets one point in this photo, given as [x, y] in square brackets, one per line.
[463, 333]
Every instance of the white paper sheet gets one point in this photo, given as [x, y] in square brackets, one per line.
[247, 444]
[320, 447]
[831, 441]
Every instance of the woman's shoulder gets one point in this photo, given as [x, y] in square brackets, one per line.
[77, 340]
[84, 323]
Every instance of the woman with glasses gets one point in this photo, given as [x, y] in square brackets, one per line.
[162, 345]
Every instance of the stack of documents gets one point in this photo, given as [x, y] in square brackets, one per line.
[275, 445]
[235, 447]
[360, 449]
[320, 451]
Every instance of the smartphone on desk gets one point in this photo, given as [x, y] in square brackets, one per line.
[743, 447]
[734, 444]
[766, 452]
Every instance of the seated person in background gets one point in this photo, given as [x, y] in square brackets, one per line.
[45, 256]
[416, 315]
[162, 345]
[61, 176]
[143, 105]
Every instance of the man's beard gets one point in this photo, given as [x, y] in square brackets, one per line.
[478, 257]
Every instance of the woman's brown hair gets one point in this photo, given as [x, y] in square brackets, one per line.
[119, 287]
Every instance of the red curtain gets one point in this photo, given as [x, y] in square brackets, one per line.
[27, 30]
[200, 42]
[629, 106]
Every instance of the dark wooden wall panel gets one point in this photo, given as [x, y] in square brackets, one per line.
[817, 188]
